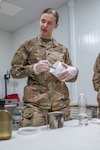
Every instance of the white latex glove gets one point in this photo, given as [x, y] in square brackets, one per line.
[68, 73]
[41, 66]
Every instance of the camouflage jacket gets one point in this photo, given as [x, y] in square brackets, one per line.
[42, 89]
[96, 75]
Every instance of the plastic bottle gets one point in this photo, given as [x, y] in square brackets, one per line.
[82, 110]
[5, 122]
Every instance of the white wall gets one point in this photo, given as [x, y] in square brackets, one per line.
[79, 30]
[5, 58]
[87, 39]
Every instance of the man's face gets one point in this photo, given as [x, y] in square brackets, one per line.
[47, 25]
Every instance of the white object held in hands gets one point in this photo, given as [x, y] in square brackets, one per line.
[58, 68]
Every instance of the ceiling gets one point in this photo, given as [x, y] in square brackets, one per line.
[15, 14]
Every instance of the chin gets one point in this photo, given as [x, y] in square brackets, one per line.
[44, 35]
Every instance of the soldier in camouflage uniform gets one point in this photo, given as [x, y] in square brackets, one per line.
[96, 79]
[44, 92]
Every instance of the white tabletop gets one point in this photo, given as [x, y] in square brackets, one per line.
[70, 137]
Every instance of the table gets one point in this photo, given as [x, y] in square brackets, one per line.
[70, 137]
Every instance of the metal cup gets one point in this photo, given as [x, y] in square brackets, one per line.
[55, 119]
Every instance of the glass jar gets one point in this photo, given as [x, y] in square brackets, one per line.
[5, 122]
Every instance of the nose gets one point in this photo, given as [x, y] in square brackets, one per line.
[45, 24]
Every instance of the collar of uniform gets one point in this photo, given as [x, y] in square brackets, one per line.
[40, 41]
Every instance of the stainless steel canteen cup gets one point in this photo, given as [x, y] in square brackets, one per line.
[55, 119]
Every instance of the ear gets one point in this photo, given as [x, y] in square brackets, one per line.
[56, 25]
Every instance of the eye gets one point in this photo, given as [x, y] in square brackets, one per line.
[43, 21]
[50, 23]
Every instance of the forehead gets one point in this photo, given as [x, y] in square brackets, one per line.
[48, 17]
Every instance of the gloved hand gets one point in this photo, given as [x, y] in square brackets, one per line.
[67, 73]
[41, 66]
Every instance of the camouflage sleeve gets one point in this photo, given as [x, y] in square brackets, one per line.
[69, 62]
[96, 74]
[19, 65]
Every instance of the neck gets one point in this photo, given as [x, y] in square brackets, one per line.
[44, 37]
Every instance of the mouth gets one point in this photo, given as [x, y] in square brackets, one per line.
[43, 30]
